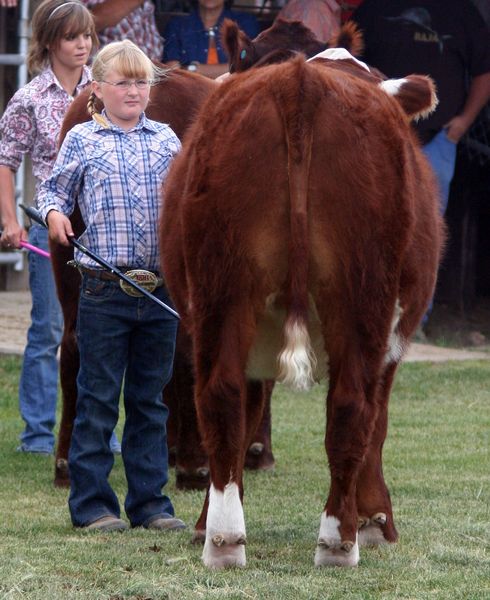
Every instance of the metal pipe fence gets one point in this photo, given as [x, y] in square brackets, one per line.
[16, 259]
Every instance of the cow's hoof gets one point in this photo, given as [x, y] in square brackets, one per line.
[258, 458]
[199, 536]
[377, 531]
[256, 448]
[221, 551]
[379, 518]
[192, 479]
[362, 522]
[61, 474]
[337, 553]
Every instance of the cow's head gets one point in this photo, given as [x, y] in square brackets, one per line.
[280, 42]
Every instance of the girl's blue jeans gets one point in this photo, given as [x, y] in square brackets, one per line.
[121, 338]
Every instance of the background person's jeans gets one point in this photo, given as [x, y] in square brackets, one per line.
[441, 153]
[120, 336]
[38, 386]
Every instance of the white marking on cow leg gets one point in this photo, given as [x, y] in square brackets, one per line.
[396, 343]
[330, 549]
[225, 529]
[297, 360]
[371, 534]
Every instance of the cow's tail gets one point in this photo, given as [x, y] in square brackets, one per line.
[297, 98]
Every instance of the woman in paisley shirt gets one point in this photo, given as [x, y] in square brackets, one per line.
[63, 36]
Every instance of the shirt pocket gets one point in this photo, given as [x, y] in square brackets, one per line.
[101, 163]
[159, 159]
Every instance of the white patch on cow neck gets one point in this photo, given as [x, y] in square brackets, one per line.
[392, 86]
[225, 518]
[396, 343]
[333, 555]
[339, 54]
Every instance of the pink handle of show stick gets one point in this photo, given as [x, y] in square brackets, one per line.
[35, 249]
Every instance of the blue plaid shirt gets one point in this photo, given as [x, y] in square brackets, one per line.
[116, 177]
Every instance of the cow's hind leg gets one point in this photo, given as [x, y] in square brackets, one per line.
[375, 515]
[350, 420]
[221, 415]
[222, 412]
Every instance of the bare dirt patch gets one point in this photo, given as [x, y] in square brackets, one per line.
[450, 335]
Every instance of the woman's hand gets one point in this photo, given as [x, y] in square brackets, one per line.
[12, 234]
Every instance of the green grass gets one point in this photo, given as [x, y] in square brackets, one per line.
[436, 464]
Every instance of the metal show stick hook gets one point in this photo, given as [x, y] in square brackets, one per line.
[33, 214]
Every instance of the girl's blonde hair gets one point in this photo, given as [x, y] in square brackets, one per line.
[51, 22]
[129, 60]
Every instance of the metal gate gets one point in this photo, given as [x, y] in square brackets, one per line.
[16, 259]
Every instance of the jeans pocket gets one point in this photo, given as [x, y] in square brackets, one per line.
[96, 289]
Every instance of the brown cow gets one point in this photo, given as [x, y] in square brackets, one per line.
[301, 222]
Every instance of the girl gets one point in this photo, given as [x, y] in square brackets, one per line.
[63, 36]
[115, 165]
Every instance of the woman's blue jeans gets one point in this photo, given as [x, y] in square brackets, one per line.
[38, 386]
[441, 153]
[121, 337]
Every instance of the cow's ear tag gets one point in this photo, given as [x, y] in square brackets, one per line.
[243, 54]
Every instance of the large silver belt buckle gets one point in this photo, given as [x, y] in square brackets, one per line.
[145, 279]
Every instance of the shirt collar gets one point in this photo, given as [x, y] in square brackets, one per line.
[143, 123]
[47, 79]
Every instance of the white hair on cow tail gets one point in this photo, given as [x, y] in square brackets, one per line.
[297, 360]
[396, 343]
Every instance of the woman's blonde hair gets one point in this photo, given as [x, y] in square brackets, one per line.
[51, 22]
[129, 60]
